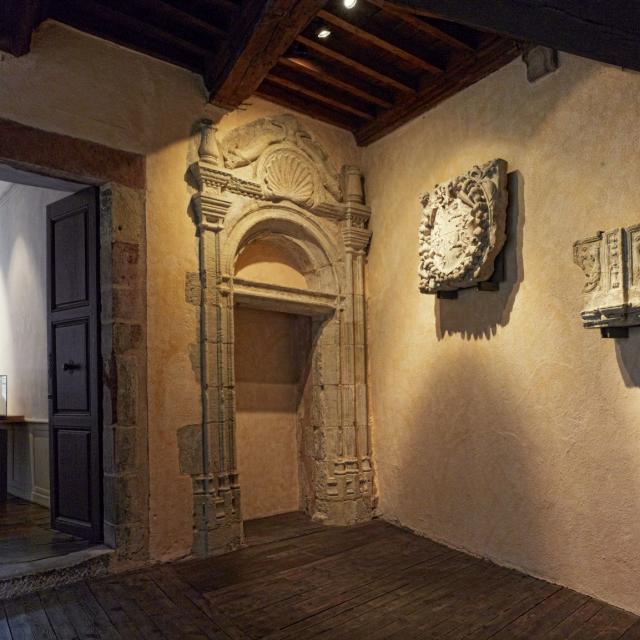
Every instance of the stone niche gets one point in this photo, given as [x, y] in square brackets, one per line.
[271, 182]
[610, 261]
[463, 229]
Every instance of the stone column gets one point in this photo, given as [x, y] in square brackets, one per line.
[352, 469]
[217, 521]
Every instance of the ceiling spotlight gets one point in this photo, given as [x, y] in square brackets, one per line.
[349, 4]
[323, 32]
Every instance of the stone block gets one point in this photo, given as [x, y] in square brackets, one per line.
[125, 208]
[126, 337]
[127, 391]
[120, 449]
[125, 269]
[128, 304]
[325, 406]
[125, 498]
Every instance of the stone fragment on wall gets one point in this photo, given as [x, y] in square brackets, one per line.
[610, 262]
[463, 229]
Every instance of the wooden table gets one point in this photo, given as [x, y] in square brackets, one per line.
[4, 453]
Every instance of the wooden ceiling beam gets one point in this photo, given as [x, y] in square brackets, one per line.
[319, 95]
[171, 15]
[18, 19]
[494, 54]
[364, 69]
[372, 38]
[423, 27]
[261, 36]
[319, 72]
[605, 31]
[291, 100]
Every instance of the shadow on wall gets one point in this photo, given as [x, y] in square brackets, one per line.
[628, 355]
[478, 314]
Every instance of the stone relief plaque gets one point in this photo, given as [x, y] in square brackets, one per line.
[463, 229]
[610, 262]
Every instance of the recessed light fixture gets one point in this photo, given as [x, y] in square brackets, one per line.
[323, 32]
[349, 4]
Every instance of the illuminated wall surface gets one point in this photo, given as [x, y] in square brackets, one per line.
[500, 425]
[23, 319]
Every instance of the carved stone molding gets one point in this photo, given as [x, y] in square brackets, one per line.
[463, 229]
[286, 162]
[610, 261]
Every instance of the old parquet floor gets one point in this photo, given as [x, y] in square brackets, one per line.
[297, 580]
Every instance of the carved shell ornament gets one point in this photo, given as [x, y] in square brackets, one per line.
[463, 229]
[286, 173]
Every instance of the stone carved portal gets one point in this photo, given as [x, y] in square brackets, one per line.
[463, 229]
[271, 180]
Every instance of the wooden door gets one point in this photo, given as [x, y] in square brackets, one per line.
[74, 365]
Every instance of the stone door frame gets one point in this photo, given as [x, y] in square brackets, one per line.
[120, 175]
[270, 178]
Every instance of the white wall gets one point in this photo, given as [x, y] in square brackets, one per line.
[23, 313]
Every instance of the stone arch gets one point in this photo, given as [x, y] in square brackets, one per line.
[313, 247]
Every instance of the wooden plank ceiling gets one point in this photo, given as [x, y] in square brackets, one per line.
[379, 67]
[381, 64]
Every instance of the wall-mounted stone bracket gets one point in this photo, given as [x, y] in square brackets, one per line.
[610, 261]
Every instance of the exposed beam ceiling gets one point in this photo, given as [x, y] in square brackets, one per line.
[259, 39]
[383, 63]
[604, 30]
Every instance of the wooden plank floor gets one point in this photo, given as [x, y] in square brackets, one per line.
[26, 534]
[300, 581]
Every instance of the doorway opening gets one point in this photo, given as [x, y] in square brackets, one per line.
[35, 462]
[273, 356]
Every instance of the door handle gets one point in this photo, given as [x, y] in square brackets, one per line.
[71, 366]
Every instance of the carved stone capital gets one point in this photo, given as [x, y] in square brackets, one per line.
[212, 210]
[355, 234]
[463, 229]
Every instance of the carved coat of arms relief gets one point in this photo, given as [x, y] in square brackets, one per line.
[463, 229]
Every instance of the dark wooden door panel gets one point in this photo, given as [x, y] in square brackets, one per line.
[70, 257]
[73, 458]
[70, 348]
[74, 368]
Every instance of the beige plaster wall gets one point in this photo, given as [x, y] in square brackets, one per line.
[502, 426]
[268, 372]
[82, 86]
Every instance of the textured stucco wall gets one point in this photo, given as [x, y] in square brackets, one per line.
[23, 296]
[502, 426]
[268, 370]
[82, 86]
